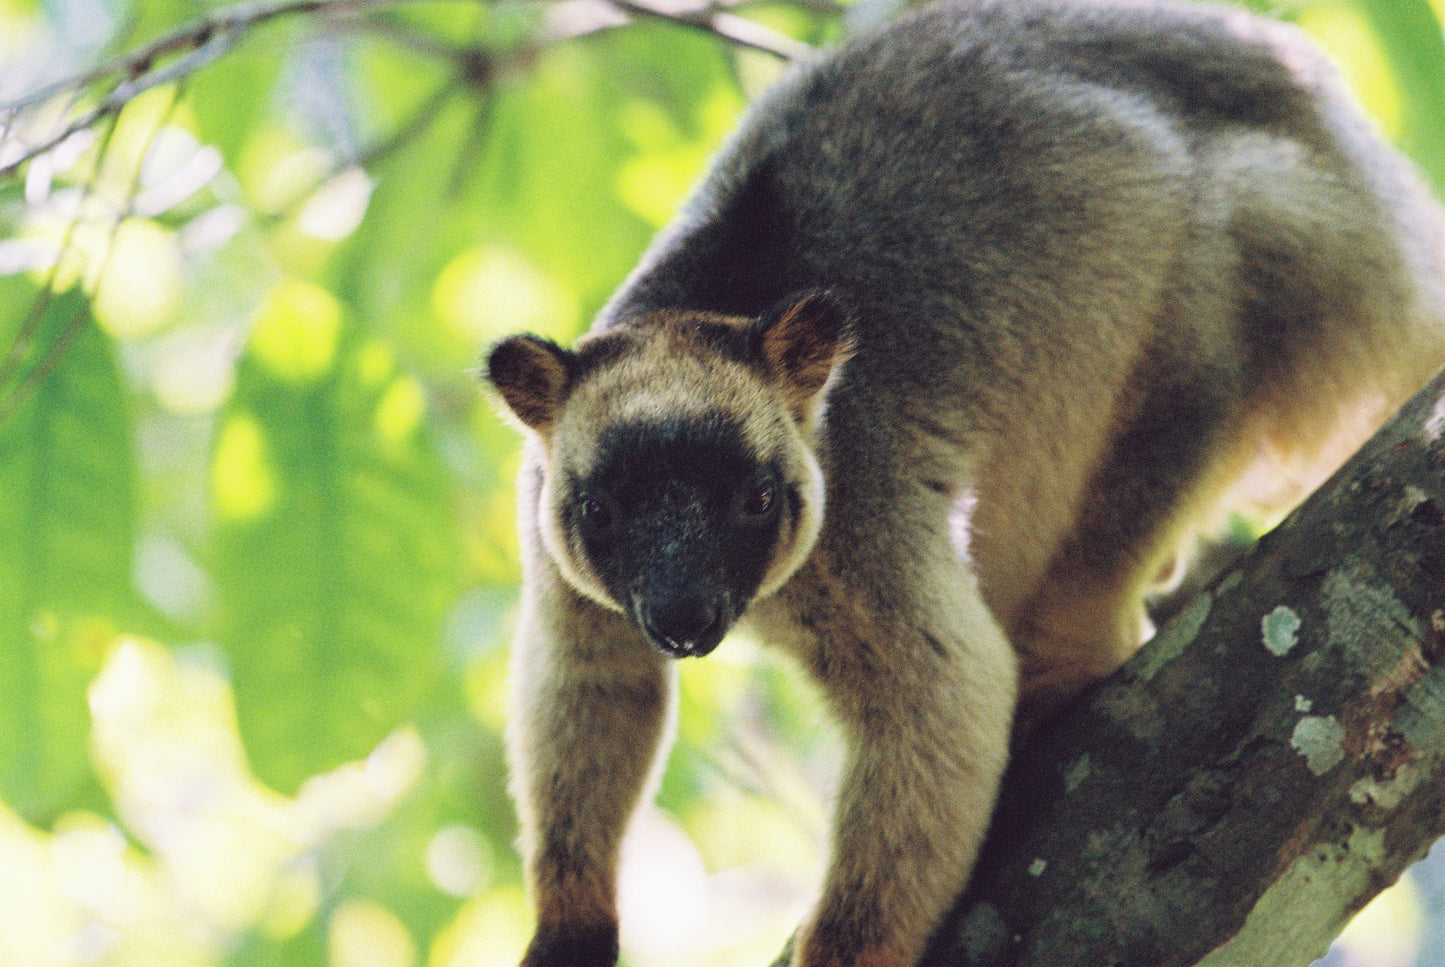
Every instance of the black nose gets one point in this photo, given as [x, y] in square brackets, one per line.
[682, 625]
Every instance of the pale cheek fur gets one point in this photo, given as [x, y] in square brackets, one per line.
[790, 555]
[576, 570]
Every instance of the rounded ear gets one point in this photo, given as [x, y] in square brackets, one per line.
[532, 374]
[803, 340]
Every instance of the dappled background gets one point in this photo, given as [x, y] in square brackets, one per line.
[257, 553]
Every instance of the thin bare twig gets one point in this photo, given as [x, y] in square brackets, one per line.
[188, 37]
[471, 145]
[715, 18]
[125, 92]
[414, 127]
[30, 326]
[55, 353]
[194, 44]
[15, 387]
[218, 31]
[202, 41]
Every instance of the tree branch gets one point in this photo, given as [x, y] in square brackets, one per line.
[187, 49]
[122, 94]
[17, 385]
[715, 18]
[1268, 763]
[193, 45]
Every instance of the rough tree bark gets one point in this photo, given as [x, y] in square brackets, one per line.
[1270, 761]
[1267, 764]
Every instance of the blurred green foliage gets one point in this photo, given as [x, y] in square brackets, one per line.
[257, 561]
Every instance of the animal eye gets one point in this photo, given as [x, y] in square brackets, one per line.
[594, 513]
[759, 499]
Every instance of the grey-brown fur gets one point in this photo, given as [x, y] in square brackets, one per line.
[1093, 265]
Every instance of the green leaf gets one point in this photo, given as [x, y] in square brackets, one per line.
[67, 529]
[335, 546]
[231, 98]
[1415, 46]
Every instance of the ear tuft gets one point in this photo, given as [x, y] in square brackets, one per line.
[532, 374]
[804, 339]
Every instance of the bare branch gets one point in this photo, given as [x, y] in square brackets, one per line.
[190, 37]
[191, 47]
[17, 387]
[1267, 764]
[11, 384]
[124, 93]
[194, 45]
[716, 19]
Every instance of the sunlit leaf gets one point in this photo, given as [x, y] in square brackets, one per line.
[136, 129]
[243, 482]
[335, 559]
[1415, 48]
[490, 931]
[67, 529]
[296, 334]
[15, 8]
[232, 97]
[366, 934]
[140, 287]
[1349, 39]
[277, 170]
[486, 293]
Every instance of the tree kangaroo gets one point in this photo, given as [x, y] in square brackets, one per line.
[969, 325]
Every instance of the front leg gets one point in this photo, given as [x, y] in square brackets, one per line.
[591, 710]
[925, 687]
